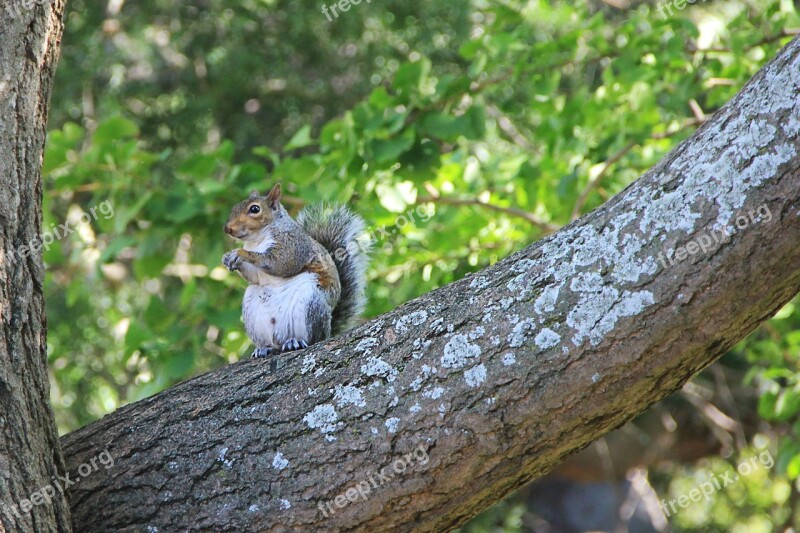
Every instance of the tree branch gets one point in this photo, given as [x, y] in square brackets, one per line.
[545, 226]
[440, 408]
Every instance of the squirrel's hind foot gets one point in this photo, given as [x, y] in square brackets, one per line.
[263, 353]
[294, 344]
[260, 353]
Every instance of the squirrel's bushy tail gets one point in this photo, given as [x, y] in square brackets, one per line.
[342, 233]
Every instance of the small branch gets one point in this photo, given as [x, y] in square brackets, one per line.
[607, 463]
[699, 119]
[545, 226]
[786, 32]
[507, 127]
[721, 425]
[730, 404]
[697, 111]
[618, 4]
[720, 82]
[593, 182]
[691, 123]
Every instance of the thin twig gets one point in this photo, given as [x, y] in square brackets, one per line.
[730, 404]
[721, 425]
[507, 127]
[593, 182]
[584, 196]
[697, 111]
[607, 463]
[545, 226]
[691, 123]
[786, 32]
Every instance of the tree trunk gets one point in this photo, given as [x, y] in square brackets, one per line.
[30, 455]
[425, 416]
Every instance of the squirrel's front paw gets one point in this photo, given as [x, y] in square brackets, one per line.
[232, 260]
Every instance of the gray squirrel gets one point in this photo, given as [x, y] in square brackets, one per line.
[307, 277]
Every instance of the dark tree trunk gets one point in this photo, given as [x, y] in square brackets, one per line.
[483, 385]
[30, 454]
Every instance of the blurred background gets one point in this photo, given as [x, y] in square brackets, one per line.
[502, 119]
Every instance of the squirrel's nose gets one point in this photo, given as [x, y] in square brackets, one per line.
[227, 229]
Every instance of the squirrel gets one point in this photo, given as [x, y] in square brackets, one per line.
[307, 277]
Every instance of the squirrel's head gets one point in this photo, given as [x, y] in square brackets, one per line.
[249, 217]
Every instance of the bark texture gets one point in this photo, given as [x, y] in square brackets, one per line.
[30, 453]
[425, 416]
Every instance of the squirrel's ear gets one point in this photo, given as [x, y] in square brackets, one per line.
[254, 194]
[274, 195]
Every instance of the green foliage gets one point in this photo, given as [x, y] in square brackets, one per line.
[461, 131]
[773, 354]
[751, 498]
[253, 71]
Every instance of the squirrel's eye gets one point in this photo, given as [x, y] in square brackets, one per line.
[255, 209]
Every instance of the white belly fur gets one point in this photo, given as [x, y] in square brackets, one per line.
[275, 311]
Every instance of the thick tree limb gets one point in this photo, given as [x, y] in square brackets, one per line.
[495, 378]
[30, 454]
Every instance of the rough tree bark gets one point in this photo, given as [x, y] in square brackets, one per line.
[494, 379]
[30, 454]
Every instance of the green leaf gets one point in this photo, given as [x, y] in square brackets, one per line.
[114, 247]
[178, 365]
[199, 165]
[150, 266]
[136, 336]
[793, 468]
[785, 312]
[157, 316]
[300, 139]
[389, 150]
[470, 125]
[267, 153]
[411, 76]
[114, 129]
[123, 215]
[395, 197]
[787, 404]
[766, 405]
